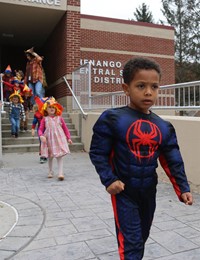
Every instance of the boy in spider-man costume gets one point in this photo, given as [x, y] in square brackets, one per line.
[125, 147]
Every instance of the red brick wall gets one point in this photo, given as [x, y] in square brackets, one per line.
[63, 50]
[153, 47]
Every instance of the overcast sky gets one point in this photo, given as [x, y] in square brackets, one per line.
[120, 9]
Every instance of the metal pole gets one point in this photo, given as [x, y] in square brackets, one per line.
[2, 104]
[0, 136]
[77, 102]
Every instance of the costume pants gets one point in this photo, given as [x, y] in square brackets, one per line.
[37, 90]
[15, 122]
[133, 214]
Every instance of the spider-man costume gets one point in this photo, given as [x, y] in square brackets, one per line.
[125, 146]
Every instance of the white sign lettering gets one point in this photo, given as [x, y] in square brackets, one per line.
[44, 2]
[106, 72]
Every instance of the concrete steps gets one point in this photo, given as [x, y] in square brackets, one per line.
[26, 143]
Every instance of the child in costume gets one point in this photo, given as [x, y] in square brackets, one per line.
[54, 135]
[16, 112]
[36, 122]
[15, 85]
[125, 147]
[28, 106]
[34, 76]
[7, 77]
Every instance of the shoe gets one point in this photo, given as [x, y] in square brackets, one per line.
[16, 135]
[61, 177]
[50, 175]
[42, 160]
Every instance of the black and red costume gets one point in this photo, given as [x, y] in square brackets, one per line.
[125, 146]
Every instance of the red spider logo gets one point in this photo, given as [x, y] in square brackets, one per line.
[143, 138]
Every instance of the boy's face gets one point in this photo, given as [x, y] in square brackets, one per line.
[8, 74]
[28, 56]
[15, 100]
[143, 90]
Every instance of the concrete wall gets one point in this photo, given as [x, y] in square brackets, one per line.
[188, 134]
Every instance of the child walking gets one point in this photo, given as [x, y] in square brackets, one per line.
[54, 135]
[36, 122]
[125, 147]
[16, 112]
[28, 106]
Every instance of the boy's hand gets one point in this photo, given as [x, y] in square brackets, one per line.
[115, 187]
[33, 132]
[187, 198]
[43, 139]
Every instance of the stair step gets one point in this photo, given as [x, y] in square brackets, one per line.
[30, 140]
[21, 148]
[7, 133]
[8, 126]
[30, 120]
[26, 143]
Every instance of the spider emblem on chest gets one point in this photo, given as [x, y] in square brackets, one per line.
[143, 138]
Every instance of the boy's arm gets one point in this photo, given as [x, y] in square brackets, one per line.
[34, 122]
[172, 163]
[101, 149]
[23, 115]
[9, 85]
[41, 127]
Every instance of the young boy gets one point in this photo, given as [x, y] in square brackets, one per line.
[7, 77]
[37, 118]
[125, 146]
[16, 112]
[28, 106]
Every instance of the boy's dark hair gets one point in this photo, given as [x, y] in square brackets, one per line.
[135, 64]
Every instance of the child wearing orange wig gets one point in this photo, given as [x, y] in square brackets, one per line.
[53, 133]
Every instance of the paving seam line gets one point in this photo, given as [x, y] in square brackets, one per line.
[17, 217]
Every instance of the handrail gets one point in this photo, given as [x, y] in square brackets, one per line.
[2, 103]
[1, 112]
[186, 97]
[77, 102]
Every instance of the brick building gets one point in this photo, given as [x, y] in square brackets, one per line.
[67, 39]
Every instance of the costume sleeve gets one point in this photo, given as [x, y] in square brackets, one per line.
[23, 115]
[42, 127]
[65, 128]
[101, 149]
[10, 108]
[9, 85]
[34, 122]
[173, 165]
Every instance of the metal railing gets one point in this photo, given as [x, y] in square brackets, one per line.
[183, 96]
[180, 97]
[75, 98]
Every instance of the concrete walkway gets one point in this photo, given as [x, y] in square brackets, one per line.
[45, 219]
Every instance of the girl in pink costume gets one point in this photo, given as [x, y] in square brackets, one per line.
[54, 134]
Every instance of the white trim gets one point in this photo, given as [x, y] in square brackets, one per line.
[128, 53]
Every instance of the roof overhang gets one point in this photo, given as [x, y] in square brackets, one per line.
[29, 22]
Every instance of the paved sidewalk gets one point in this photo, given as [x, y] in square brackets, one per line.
[45, 219]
